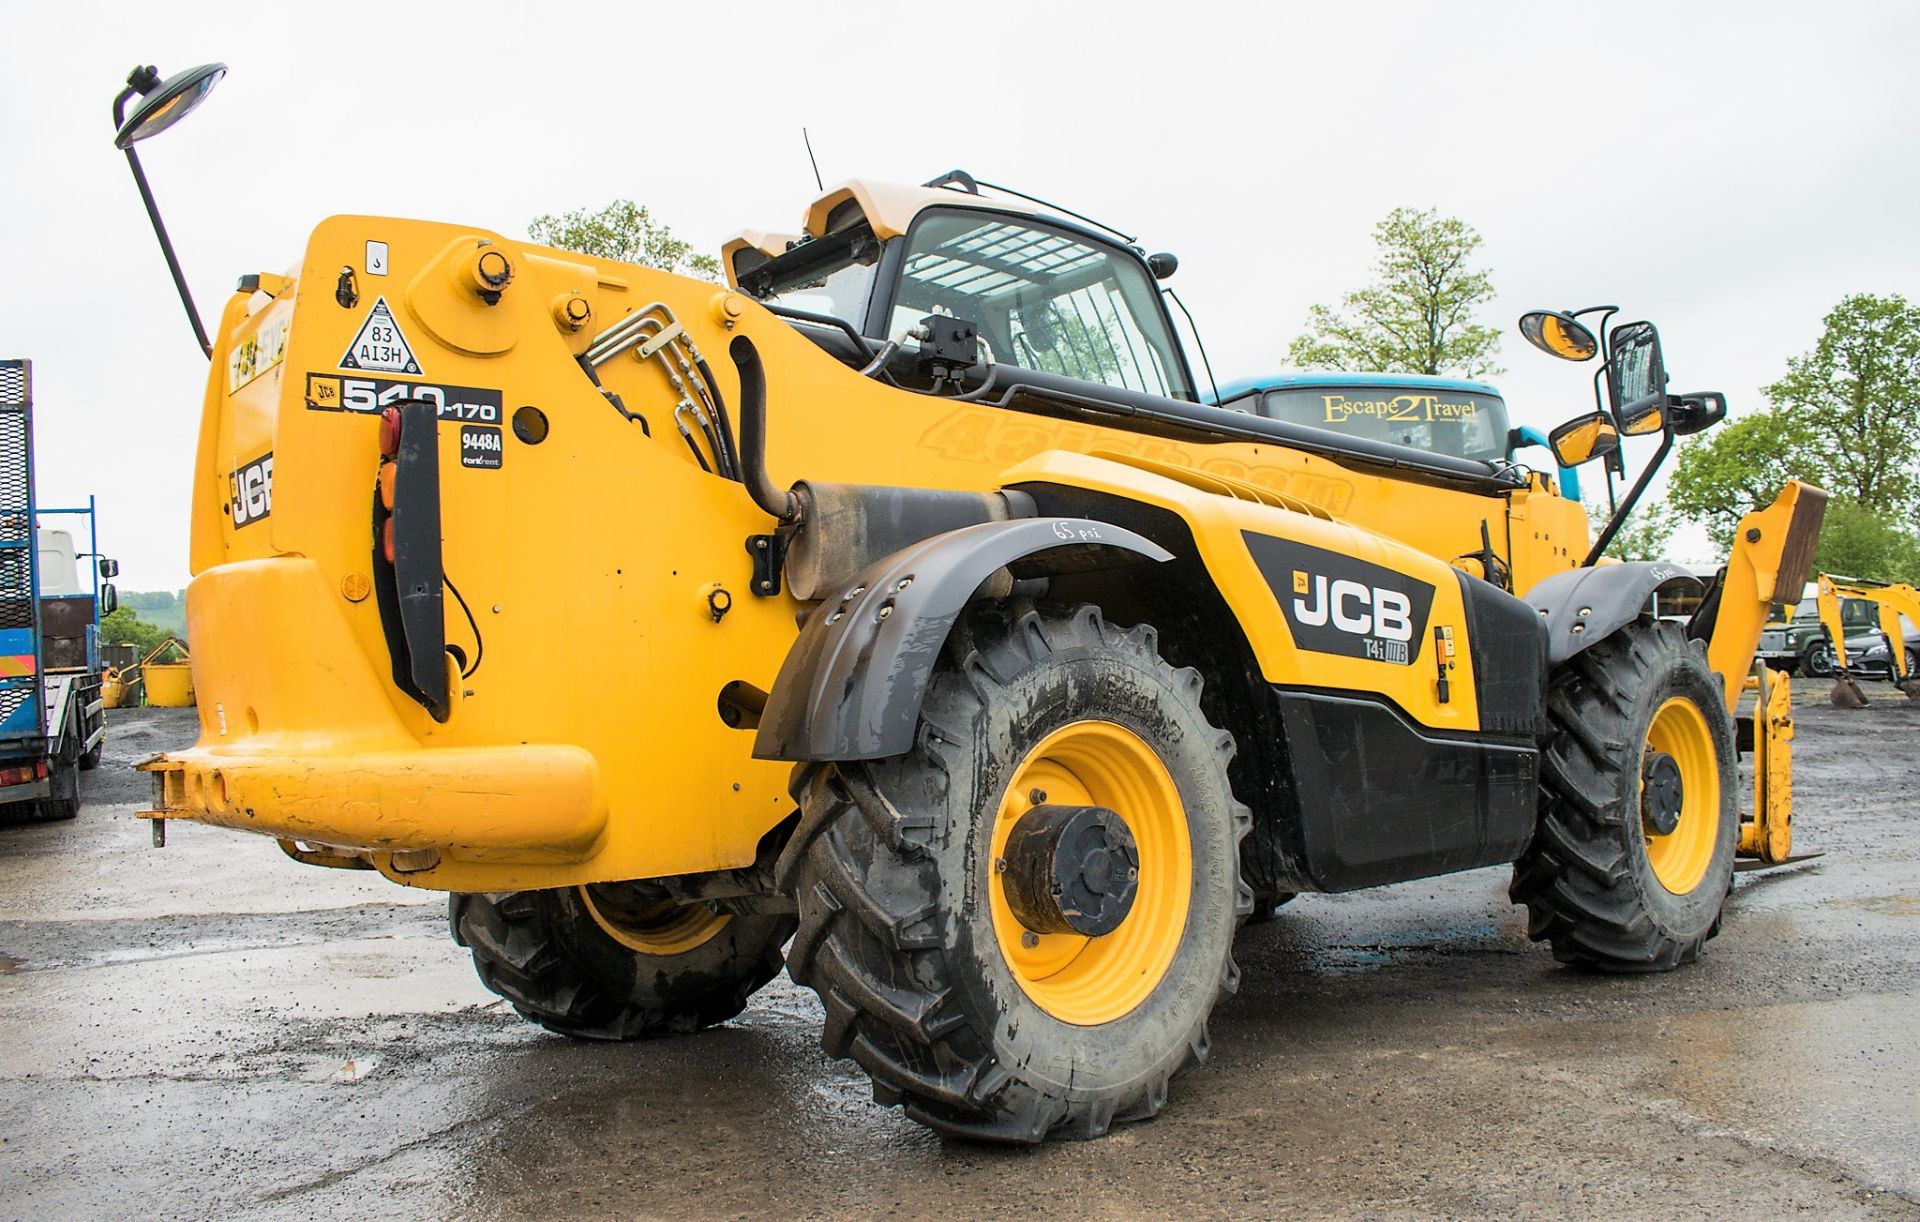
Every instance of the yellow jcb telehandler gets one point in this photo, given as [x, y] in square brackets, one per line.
[981, 660]
[1892, 601]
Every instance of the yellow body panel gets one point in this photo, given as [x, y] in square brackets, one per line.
[587, 745]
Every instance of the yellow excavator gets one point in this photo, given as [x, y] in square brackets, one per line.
[1892, 602]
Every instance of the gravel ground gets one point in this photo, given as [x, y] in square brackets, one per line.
[212, 1030]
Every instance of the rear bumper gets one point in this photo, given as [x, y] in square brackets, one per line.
[300, 739]
[523, 804]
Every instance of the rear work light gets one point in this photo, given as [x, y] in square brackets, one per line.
[389, 433]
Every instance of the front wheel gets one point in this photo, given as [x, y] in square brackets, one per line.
[1817, 661]
[612, 961]
[1019, 929]
[1632, 859]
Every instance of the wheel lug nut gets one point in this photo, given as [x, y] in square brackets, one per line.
[1029, 939]
[1037, 796]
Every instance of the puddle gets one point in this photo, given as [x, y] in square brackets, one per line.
[1893, 905]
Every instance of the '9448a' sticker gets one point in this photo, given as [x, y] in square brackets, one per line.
[332, 392]
[480, 446]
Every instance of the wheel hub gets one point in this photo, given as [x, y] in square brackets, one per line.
[1661, 793]
[1070, 869]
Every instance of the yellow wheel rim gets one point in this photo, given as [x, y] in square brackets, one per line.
[1089, 981]
[1680, 858]
[660, 927]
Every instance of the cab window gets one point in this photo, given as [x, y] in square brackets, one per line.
[1460, 423]
[1044, 299]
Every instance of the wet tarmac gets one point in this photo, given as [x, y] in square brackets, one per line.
[212, 1030]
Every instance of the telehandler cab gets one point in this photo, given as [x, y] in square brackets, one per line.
[981, 661]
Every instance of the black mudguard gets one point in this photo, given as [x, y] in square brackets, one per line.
[1583, 607]
[852, 684]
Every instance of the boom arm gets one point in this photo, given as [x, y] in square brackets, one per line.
[1772, 554]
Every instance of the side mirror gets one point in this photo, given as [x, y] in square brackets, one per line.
[1635, 371]
[1583, 439]
[1644, 416]
[109, 600]
[1558, 333]
[1162, 265]
[109, 569]
[1696, 412]
[164, 103]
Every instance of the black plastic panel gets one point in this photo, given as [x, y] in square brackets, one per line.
[1381, 801]
[1507, 640]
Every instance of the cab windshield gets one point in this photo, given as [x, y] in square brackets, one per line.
[1460, 423]
[1044, 298]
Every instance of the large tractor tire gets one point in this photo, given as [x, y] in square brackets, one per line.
[1632, 860]
[908, 877]
[606, 962]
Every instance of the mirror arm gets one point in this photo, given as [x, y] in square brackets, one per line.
[166, 243]
[1625, 507]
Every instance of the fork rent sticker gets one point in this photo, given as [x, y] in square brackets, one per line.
[380, 346]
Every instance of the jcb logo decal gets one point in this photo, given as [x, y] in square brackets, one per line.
[1337, 604]
[252, 491]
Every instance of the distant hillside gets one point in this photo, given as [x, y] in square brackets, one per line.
[165, 609]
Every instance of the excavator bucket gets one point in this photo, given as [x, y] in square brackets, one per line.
[1846, 694]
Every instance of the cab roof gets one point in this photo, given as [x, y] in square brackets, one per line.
[887, 207]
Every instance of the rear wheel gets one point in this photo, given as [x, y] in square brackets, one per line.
[942, 959]
[1633, 856]
[614, 961]
[1267, 905]
[64, 800]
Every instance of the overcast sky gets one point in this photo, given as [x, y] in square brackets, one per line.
[1728, 170]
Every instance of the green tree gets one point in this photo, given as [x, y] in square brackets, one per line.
[1858, 394]
[124, 627]
[1846, 417]
[1644, 536]
[625, 231]
[1726, 474]
[1417, 315]
[1857, 542]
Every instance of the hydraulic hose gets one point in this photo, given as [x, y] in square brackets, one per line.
[782, 504]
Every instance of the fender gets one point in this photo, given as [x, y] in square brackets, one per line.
[1583, 607]
[852, 684]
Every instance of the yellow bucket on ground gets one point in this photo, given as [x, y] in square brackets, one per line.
[114, 689]
[169, 686]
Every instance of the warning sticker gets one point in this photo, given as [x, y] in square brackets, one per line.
[258, 353]
[380, 345]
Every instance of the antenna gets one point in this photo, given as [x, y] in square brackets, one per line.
[817, 184]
